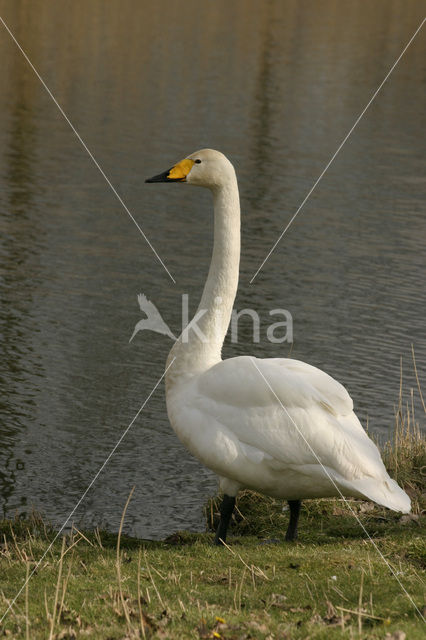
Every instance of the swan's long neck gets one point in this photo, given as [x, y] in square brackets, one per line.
[200, 346]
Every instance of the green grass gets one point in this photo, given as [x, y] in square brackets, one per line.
[332, 583]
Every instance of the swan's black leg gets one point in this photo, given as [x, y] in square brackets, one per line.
[294, 519]
[226, 509]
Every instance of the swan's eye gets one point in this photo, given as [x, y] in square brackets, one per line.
[198, 162]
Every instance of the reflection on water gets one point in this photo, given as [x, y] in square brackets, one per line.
[276, 86]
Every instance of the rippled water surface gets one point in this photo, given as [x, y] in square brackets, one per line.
[274, 85]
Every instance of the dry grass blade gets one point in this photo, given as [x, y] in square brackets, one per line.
[241, 588]
[141, 621]
[64, 587]
[98, 537]
[360, 603]
[152, 580]
[17, 549]
[27, 620]
[118, 562]
[46, 607]
[252, 568]
[83, 536]
[74, 544]
[364, 614]
[417, 378]
[58, 582]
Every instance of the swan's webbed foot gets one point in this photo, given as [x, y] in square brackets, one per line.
[294, 519]
[226, 509]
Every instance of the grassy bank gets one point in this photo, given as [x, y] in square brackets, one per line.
[334, 582]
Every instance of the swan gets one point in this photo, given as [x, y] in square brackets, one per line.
[279, 426]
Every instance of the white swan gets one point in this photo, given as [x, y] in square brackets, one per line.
[276, 425]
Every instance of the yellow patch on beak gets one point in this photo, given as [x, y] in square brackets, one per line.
[181, 170]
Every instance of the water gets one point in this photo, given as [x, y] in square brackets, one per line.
[275, 86]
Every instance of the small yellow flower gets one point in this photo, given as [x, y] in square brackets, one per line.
[216, 634]
[221, 620]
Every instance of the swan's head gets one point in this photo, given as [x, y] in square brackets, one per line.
[205, 168]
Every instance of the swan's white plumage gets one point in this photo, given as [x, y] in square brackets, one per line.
[221, 410]
[279, 426]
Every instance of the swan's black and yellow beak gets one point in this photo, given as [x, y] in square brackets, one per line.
[177, 173]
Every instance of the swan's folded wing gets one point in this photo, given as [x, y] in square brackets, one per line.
[334, 396]
[293, 413]
[237, 381]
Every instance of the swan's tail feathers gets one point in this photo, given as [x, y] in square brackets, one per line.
[386, 493]
[397, 499]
